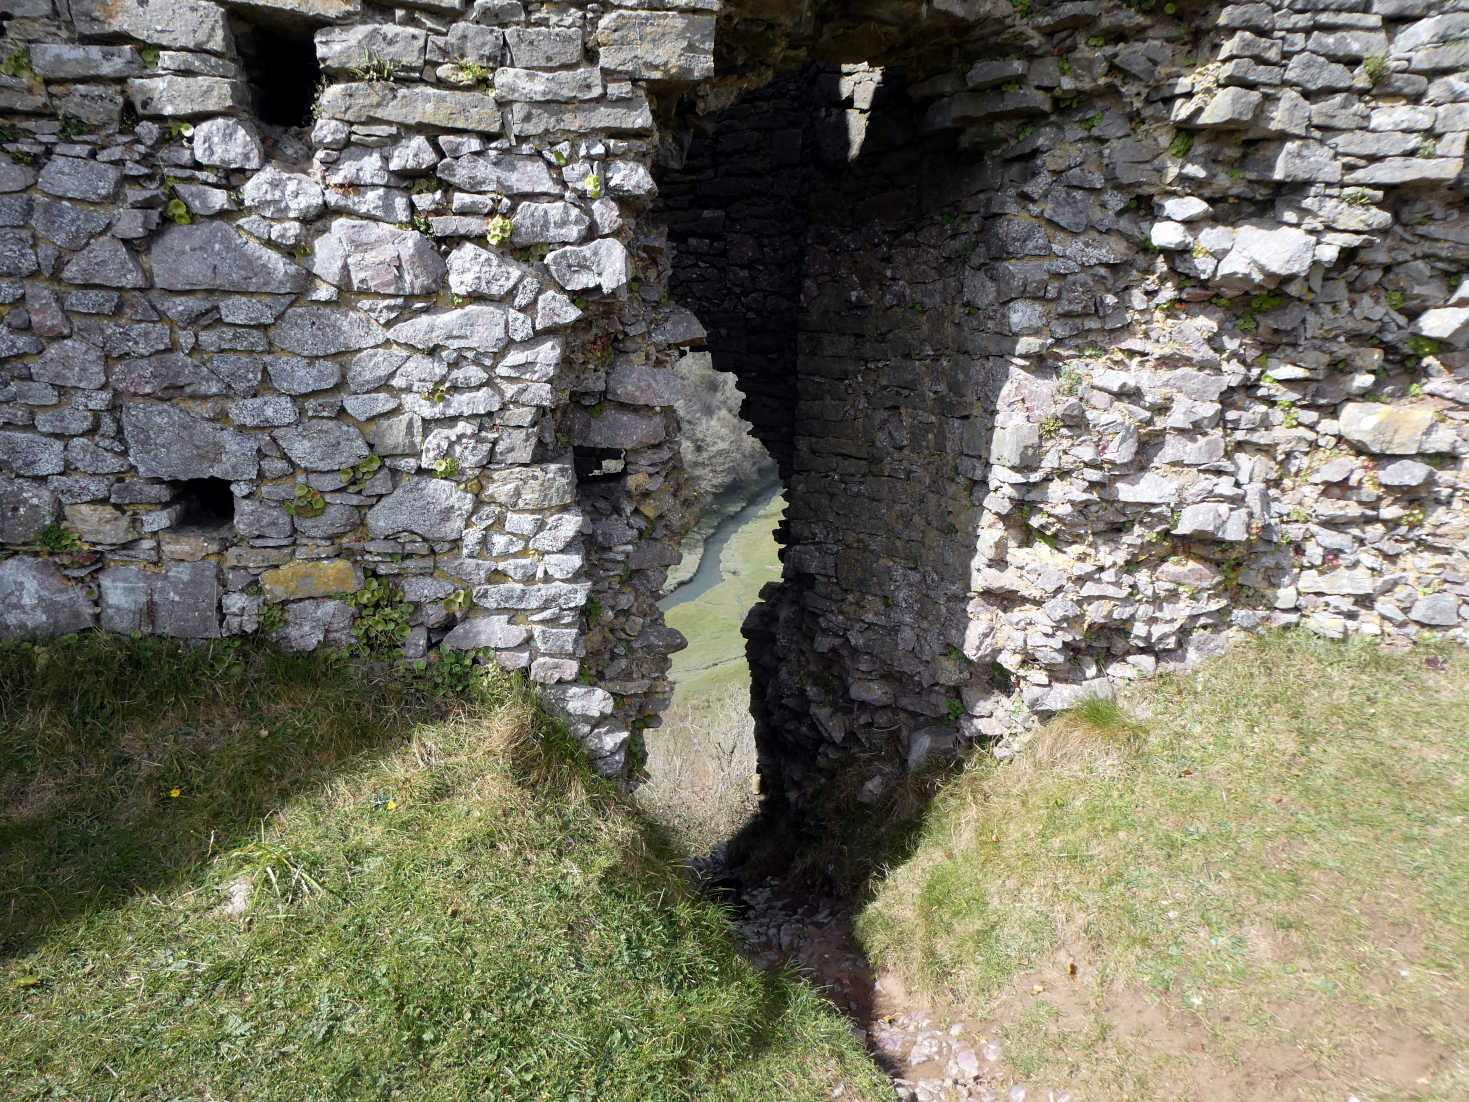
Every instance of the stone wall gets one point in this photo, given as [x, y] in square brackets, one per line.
[395, 377]
[1084, 336]
[1110, 347]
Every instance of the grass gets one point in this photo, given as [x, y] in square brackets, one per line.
[1251, 882]
[231, 872]
[701, 762]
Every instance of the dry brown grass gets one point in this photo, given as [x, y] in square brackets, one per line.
[701, 768]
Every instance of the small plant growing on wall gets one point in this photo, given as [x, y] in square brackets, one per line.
[271, 617]
[594, 186]
[356, 477]
[498, 230]
[306, 502]
[382, 618]
[57, 538]
[446, 467]
[374, 68]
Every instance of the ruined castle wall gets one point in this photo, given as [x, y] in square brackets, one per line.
[382, 365]
[1086, 335]
[1110, 349]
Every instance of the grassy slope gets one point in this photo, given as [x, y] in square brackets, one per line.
[359, 891]
[1263, 884]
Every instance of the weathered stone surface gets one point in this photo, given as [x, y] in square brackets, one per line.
[259, 518]
[370, 256]
[106, 263]
[603, 265]
[278, 194]
[75, 178]
[565, 595]
[657, 45]
[64, 61]
[227, 143]
[1395, 430]
[213, 256]
[631, 115]
[616, 428]
[1404, 473]
[548, 223]
[562, 86]
[36, 601]
[339, 49]
[182, 602]
[70, 363]
[68, 225]
[293, 375]
[500, 173]
[325, 331]
[476, 271]
[1230, 108]
[322, 445]
[639, 385]
[25, 508]
[433, 508]
[1261, 255]
[544, 47]
[328, 10]
[486, 631]
[186, 97]
[177, 24]
[384, 204]
[1449, 324]
[17, 253]
[480, 327]
[318, 578]
[1439, 610]
[165, 441]
[271, 411]
[417, 106]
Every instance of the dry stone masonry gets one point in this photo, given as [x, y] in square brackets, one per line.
[1085, 335]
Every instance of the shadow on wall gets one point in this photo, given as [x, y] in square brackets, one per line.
[811, 244]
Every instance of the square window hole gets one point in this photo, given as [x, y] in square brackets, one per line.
[281, 68]
[201, 503]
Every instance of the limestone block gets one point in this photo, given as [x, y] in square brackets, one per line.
[1438, 610]
[70, 363]
[75, 178]
[1405, 473]
[340, 49]
[1260, 255]
[547, 224]
[414, 155]
[227, 143]
[1395, 430]
[214, 256]
[500, 173]
[544, 47]
[319, 578]
[102, 524]
[178, 24]
[1170, 236]
[640, 385]
[412, 106]
[322, 444]
[66, 61]
[484, 328]
[1314, 73]
[380, 203]
[68, 225]
[616, 428]
[17, 253]
[433, 508]
[657, 45]
[186, 97]
[36, 601]
[326, 331]
[1448, 323]
[271, 411]
[182, 602]
[1215, 520]
[563, 595]
[107, 263]
[603, 265]
[631, 115]
[562, 86]
[278, 194]
[1230, 108]
[477, 271]
[1408, 170]
[487, 631]
[1431, 31]
[370, 256]
[166, 441]
[25, 508]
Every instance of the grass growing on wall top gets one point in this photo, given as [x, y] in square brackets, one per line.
[1260, 873]
[235, 873]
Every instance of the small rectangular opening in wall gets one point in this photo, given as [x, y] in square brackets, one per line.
[281, 68]
[593, 464]
[206, 504]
